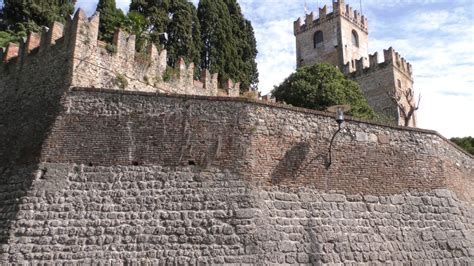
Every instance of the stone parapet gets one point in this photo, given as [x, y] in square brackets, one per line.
[339, 10]
[97, 64]
[391, 59]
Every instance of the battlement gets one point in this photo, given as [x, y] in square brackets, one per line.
[98, 64]
[391, 58]
[339, 8]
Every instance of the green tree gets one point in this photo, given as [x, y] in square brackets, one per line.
[156, 16]
[184, 33]
[467, 143]
[23, 16]
[135, 23]
[246, 47]
[19, 17]
[320, 86]
[219, 53]
[111, 18]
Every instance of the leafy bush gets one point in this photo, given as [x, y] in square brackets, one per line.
[320, 86]
[121, 81]
[466, 143]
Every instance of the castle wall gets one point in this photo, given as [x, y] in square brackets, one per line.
[127, 176]
[337, 27]
[382, 82]
[377, 85]
[88, 62]
[151, 214]
[249, 138]
[306, 53]
[351, 52]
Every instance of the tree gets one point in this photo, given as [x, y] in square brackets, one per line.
[320, 86]
[156, 17]
[406, 104]
[220, 52]
[184, 33]
[111, 18]
[246, 46]
[21, 17]
[467, 143]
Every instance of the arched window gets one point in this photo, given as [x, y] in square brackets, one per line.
[355, 39]
[318, 39]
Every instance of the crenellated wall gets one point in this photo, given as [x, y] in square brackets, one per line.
[344, 44]
[93, 63]
[380, 81]
[338, 9]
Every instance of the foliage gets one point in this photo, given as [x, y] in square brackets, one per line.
[112, 49]
[184, 33]
[111, 18]
[219, 54]
[170, 74]
[121, 81]
[7, 37]
[250, 95]
[149, 19]
[229, 45]
[135, 23]
[320, 86]
[22, 17]
[246, 47]
[467, 143]
[177, 18]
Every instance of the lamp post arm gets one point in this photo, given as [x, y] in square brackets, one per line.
[328, 164]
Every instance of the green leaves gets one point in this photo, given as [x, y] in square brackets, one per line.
[26, 16]
[466, 143]
[229, 45]
[111, 18]
[320, 86]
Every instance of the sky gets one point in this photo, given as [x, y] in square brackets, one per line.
[435, 36]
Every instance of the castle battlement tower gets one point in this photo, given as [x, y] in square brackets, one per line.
[336, 37]
[340, 38]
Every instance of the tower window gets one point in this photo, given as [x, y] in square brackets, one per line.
[399, 83]
[318, 39]
[355, 39]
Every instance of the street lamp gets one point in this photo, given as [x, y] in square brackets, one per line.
[339, 111]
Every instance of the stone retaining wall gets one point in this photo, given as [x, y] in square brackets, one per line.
[108, 215]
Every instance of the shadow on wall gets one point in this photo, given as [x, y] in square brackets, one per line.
[26, 118]
[296, 161]
[291, 164]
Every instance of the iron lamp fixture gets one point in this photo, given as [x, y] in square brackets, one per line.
[339, 111]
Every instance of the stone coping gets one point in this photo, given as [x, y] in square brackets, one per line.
[268, 104]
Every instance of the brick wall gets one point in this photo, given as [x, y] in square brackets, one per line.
[135, 176]
[255, 139]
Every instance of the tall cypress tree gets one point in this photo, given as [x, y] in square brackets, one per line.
[219, 53]
[184, 33]
[155, 13]
[111, 18]
[229, 42]
[246, 47]
[177, 18]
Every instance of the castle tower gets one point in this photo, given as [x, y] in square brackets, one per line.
[340, 38]
[337, 37]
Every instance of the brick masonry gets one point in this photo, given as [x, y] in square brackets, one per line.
[134, 176]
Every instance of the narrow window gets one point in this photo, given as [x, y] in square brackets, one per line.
[399, 83]
[355, 39]
[318, 39]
